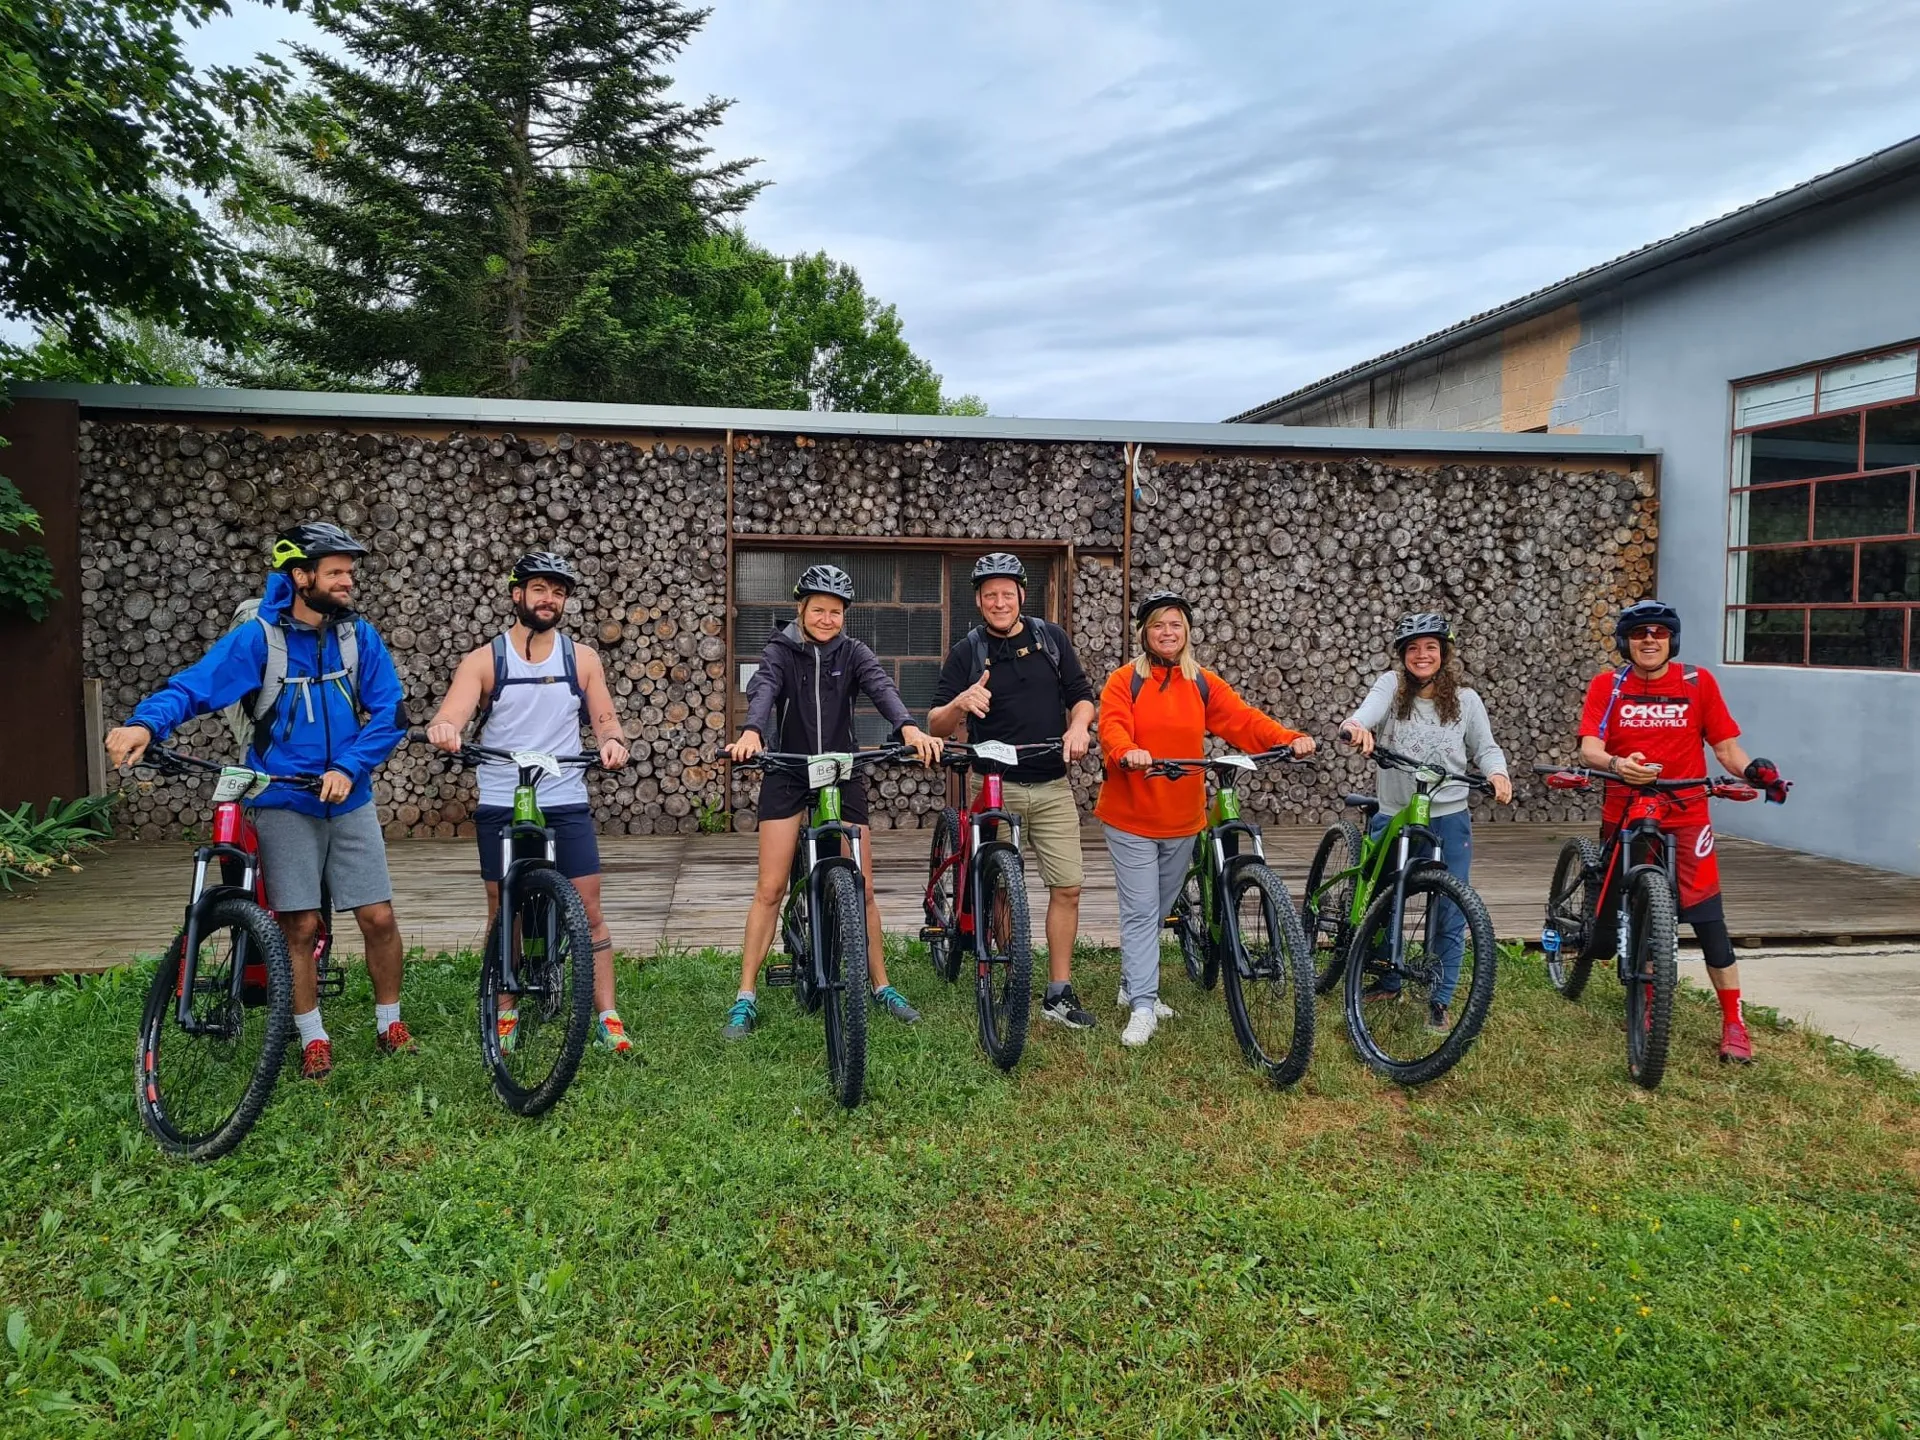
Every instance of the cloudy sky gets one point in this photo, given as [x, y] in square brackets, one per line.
[1127, 208]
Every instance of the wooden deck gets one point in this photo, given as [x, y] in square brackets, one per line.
[692, 891]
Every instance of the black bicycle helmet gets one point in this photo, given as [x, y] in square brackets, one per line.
[1647, 612]
[309, 543]
[824, 580]
[544, 564]
[1421, 623]
[998, 566]
[1159, 599]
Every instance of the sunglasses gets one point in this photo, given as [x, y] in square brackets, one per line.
[1649, 632]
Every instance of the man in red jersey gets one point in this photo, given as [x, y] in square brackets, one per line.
[1652, 719]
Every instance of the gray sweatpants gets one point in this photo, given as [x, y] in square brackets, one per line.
[1147, 875]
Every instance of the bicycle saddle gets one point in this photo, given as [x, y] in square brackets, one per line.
[1362, 802]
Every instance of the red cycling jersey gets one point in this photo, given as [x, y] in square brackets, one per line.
[1668, 722]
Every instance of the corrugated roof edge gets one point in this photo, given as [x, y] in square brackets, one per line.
[1829, 188]
[315, 405]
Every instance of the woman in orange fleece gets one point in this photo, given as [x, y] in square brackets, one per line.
[1163, 704]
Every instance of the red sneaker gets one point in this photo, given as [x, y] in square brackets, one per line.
[1735, 1045]
[395, 1040]
[316, 1061]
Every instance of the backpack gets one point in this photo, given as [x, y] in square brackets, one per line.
[250, 718]
[1138, 680]
[571, 678]
[1048, 646]
[1688, 675]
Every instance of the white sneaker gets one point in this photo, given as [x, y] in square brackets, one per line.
[1140, 1027]
[1161, 1010]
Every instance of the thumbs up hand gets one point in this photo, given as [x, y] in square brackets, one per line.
[976, 699]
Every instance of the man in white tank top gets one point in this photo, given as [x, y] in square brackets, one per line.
[550, 688]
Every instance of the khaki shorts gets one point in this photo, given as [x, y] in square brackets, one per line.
[1049, 828]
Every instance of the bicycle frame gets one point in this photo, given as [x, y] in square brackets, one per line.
[979, 836]
[526, 844]
[1218, 855]
[816, 856]
[1410, 824]
[237, 848]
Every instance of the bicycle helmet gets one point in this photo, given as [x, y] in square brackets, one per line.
[309, 543]
[824, 580]
[1422, 623]
[1159, 599]
[1648, 612]
[546, 565]
[999, 566]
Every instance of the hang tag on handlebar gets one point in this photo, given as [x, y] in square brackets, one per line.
[997, 751]
[537, 760]
[1239, 762]
[236, 782]
[1428, 775]
[825, 770]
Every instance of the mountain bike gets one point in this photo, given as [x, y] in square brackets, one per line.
[1376, 914]
[1233, 916]
[823, 924]
[976, 900]
[219, 1011]
[536, 970]
[1589, 884]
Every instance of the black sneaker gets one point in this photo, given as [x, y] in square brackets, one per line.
[1381, 993]
[1064, 1009]
[1439, 1021]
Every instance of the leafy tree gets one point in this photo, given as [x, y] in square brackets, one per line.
[841, 349]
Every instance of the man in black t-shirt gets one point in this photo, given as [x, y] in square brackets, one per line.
[1016, 679]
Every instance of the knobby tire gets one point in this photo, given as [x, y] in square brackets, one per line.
[843, 924]
[1003, 937]
[550, 908]
[1272, 1009]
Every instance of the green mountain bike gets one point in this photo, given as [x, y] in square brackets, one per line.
[1390, 924]
[1233, 916]
[824, 922]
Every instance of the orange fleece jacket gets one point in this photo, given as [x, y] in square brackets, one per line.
[1171, 724]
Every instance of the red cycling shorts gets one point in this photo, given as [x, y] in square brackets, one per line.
[1696, 859]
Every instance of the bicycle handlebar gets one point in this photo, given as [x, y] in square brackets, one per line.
[1393, 760]
[174, 762]
[790, 760]
[960, 753]
[1179, 769]
[1721, 787]
[471, 754]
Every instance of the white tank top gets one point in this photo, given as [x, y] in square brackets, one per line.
[544, 717]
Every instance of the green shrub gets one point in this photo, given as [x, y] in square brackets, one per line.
[31, 845]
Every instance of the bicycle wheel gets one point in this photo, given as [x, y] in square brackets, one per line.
[199, 1094]
[1571, 901]
[552, 1005]
[796, 934]
[1189, 925]
[1272, 1003]
[1405, 1037]
[943, 897]
[1325, 912]
[843, 915]
[1004, 936]
[1653, 976]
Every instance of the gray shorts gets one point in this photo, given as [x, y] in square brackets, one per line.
[295, 849]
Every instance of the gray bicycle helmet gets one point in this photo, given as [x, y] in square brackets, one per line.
[998, 566]
[824, 580]
[1647, 612]
[311, 542]
[546, 565]
[1421, 623]
[1156, 601]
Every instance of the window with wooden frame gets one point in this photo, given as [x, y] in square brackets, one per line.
[910, 605]
[1823, 564]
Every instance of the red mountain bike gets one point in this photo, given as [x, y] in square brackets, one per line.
[219, 1013]
[976, 901]
[1634, 884]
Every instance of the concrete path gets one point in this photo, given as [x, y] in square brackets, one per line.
[1866, 995]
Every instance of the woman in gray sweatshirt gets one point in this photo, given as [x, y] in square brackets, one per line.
[1421, 709]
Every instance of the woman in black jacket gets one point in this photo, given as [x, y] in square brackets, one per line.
[809, 675]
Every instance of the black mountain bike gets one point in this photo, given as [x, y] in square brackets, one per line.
[1234, 916]
[219, 1012]
[536, 973]
[824, 922]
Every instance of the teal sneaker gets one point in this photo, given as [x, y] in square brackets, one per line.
[610, 1034]
[895, 1004]
[741, 1019]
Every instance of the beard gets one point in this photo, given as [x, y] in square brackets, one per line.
[536, 622]
[318, 601]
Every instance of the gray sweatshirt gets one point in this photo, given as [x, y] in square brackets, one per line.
[1466, 744]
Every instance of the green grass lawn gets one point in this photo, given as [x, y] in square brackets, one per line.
[1107, 1243]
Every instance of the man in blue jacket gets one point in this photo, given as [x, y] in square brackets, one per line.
[320, 668]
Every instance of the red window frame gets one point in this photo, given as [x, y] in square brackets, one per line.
[1910, 620]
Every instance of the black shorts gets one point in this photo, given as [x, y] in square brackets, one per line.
[576, 850]
[783, 796]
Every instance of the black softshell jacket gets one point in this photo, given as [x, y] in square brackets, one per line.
[801, 699]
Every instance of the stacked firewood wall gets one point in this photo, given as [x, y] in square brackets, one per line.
[1297, 570]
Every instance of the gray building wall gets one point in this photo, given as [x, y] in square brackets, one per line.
[1828, 286]
[1588, 397]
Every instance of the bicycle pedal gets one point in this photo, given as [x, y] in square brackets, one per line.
[933, 932]
[778, 975]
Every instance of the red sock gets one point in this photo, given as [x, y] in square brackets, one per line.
[1729, 1006]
